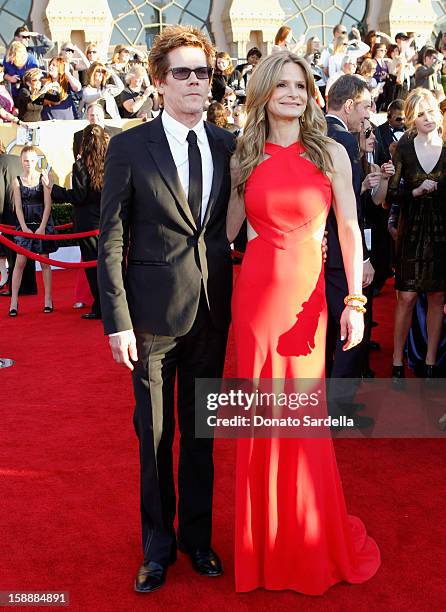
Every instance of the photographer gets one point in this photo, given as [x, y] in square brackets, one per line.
[428, 75]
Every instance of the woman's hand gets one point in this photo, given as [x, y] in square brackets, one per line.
[47, 180]
[387, 170]
[352, 327]
[40, 230]
[26, 229]
[427, 186]
[371, 181]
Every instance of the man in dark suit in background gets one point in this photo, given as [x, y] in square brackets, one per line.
[95, 116]
[390, 131]
[166, 191]
[386, 134]
[10, 168]
[349, 104]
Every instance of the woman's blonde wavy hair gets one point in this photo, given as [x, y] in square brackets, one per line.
[313, 128]
[411, 106]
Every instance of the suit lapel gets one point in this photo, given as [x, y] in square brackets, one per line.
[218, 159]
[159, 149]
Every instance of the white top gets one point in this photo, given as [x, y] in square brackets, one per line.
[176, 134]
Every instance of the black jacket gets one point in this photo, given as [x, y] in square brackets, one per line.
[338, 132]
[384, 138]
[169, 260]
[86, 201]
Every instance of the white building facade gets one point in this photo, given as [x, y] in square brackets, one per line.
[233, 25]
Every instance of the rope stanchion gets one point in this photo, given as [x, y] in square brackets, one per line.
[56, 227]
[45, 260]
[4, 229]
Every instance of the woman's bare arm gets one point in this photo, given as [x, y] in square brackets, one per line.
[236, 209]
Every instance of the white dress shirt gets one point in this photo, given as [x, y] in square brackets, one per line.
[176, 134]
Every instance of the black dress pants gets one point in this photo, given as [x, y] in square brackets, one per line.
[339, 364]
[161, 360]
[89, 252]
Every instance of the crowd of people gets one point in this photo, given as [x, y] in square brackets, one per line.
[288, 152]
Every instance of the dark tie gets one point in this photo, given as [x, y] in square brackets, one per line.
[195, 178]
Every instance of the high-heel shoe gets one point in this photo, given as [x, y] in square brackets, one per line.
[398, 371]
[398, 377]
[430, 371]
[48, 309]
[13, 312]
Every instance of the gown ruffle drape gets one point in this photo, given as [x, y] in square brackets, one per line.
[292, 527]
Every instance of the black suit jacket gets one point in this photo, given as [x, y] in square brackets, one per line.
[77, 137]
[10, 168]
[168, 259]
[337, 131]
[86, 201]
[384, 137]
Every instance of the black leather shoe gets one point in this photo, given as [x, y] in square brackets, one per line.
[374, 346]
[368, 373]
[362, 422]
[205, 561]
[150, 577]
[91, 315]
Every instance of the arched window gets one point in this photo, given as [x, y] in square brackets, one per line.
[13, 14]
[139, 21]
[318, 17]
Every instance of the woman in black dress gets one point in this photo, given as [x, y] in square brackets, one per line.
[32, 204]
[85, 195]
[418, 187]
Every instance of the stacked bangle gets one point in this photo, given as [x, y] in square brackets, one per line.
[353, 297]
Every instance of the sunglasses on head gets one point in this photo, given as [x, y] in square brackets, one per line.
[369, 131]
[181, 73]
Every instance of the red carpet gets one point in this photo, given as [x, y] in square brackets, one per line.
[69, 483]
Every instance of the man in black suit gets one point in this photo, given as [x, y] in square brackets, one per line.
[349, 104]
[390, 131]
[10, 168]
[165, 196]
[95, 116]
[386, 134]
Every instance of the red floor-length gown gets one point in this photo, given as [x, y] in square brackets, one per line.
[292, 527]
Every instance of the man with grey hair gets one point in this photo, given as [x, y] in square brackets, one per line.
[95, 116]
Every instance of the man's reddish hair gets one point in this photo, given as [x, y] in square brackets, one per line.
[171, 38]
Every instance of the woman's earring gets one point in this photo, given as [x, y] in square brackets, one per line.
[302, 119]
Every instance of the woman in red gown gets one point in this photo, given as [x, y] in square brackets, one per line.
[292, 527]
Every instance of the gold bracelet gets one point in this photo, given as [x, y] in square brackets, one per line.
[357, 308]
[355, 296]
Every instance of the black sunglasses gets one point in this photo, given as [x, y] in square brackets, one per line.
[399, 119]
[68, 50]
[368, 132]
[182, 73]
